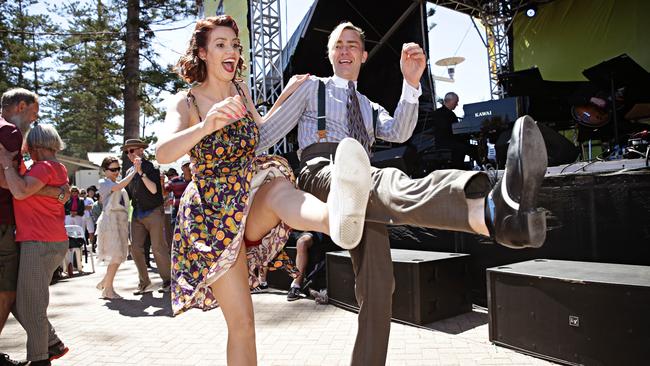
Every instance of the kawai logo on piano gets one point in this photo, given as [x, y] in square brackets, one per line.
[483, 114]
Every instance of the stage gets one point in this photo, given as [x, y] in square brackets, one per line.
[598, 212]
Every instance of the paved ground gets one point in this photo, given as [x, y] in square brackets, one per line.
[139, 330]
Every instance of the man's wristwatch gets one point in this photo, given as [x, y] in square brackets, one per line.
[61, 195]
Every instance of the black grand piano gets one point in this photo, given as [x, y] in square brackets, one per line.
[528, 93]
[552, 103]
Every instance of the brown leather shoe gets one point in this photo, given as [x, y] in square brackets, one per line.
[511, 212]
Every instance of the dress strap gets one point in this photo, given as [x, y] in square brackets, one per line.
[239, 90]
[191, 101]
[243, 97]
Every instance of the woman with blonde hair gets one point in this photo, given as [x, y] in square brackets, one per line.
[113, 224]
[236, 199]
[40, 230]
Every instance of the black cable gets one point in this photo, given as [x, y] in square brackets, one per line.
[9, 31]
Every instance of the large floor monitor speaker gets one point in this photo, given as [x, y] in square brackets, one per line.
[429, 286]
[576, 313]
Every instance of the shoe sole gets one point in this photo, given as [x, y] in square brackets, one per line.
[531, 144]
[146, 290]
[56, 357]
[351, 181]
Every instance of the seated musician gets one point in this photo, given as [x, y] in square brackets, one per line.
[442, 120]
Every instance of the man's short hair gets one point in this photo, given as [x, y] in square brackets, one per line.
[451, 96]
[171, 171]
[46, 137]
[336, 34]
[16, 95]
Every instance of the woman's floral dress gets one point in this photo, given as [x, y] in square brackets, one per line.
[213, 210]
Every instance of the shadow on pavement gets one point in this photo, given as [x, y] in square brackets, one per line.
[460, 323]
[147, 305]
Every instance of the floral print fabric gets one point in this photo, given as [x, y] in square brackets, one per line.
[213, 210]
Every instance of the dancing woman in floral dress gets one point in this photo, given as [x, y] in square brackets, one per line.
[236, 199]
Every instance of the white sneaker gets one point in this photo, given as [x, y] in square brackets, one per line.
[348, 196]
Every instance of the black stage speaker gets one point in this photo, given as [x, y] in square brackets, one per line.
[429, 286]
[403, 158]
[577, 313]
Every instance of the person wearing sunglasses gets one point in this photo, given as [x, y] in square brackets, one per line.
[146, 193]
[112, 231]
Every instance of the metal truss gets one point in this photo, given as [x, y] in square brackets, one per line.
[497, 21]
[266, 57]
[497, 17]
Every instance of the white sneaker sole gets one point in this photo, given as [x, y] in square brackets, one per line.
[348, 196]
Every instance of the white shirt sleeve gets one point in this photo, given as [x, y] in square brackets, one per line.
[409, 93]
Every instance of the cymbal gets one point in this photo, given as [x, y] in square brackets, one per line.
[450, 61]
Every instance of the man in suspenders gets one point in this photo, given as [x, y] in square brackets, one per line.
[330, 110]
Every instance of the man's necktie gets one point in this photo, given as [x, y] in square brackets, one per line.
[357, 127]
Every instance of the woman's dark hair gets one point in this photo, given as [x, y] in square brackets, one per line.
[108, 161]
[190, 66]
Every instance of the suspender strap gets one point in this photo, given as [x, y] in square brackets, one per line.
[322, 114]
[321, 117]
[375, 114]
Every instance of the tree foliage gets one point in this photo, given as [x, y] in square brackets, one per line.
[86, 95]
[77, 61]
[22, 53]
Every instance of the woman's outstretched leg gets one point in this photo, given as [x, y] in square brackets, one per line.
[278, 200]
[342, 217]
[232, 293]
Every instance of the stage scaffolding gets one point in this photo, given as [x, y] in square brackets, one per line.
[497, 17]
[266, 57]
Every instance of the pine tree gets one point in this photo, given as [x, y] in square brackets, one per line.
[140, 57]
[22, 51]
[87, 95]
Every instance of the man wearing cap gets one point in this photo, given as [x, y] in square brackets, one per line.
[177, 186]
[145, 192]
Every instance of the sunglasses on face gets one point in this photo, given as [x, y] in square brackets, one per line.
[114, 170]
[131, 151]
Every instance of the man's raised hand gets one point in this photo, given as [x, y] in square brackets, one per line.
[412, 63]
